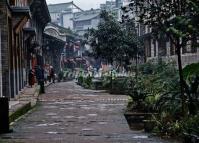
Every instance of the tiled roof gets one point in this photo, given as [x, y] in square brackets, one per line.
[86, 15]
[83, 17]
[56, 8]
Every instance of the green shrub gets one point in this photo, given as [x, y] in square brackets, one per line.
[87, 81]
[191, 125]
[80, 80]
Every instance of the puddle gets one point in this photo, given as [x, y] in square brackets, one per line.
[69, 117]
[42, 125]
[52, 132]
[54, 91]
[53, 124]
[29, 127]
[70, 108]
[51, 114]
[50, 107]
[87, 129]
[91, 135]
[140, 137]
[92, 115]
[56, 117]
[84, 105]
[81, 117]
[71, 121]
[102, 123]
[86, 108]
[90, 95]
[64, 103]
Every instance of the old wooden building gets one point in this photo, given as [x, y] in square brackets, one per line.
[21, 34]
[55, 39]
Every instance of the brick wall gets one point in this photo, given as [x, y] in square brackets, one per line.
[0, 68]
[4, 48]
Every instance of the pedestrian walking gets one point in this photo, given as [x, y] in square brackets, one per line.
[52, 74]
[31, 77]
[40, 77]
[45, 75]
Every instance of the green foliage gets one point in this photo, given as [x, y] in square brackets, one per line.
[190, 125]
[160, 82]
[60, 75]
[167, 125]
[80, 79]
[176, 20]
[154, 80]
[190, 70]
[113, 41]
[106, 82]
[120, 85]
[107, 38]
[88, 81]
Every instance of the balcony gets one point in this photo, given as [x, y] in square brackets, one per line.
[16, 10]
[20, 15]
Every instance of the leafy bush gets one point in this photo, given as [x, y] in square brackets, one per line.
[87, 82]
[167, 125]
[190, 125]
[119, 85]
[80, 79]
[154, 80]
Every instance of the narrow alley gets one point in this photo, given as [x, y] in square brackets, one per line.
[67, 113]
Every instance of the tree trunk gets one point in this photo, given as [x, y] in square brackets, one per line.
[178, 46]
[136, 72]
[111, 75]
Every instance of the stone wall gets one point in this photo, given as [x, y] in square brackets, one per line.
[186, 59]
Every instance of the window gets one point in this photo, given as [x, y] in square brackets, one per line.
[162, 47]
[190, 47]
[154, 43]
[20, 2]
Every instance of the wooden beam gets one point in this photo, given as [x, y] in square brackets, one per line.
[20, 24]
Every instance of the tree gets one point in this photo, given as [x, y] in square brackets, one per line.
[132, 44]
[177, 19]
[106, 40]
[113, 41]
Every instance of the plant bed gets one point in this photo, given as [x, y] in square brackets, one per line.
[119, 86]
[136, 119]
[190, 138]
[149, 125]
[97, 84]
[117, 91]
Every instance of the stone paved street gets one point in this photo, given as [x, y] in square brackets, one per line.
[68, 113]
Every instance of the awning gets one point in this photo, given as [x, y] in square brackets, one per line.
[20, 16]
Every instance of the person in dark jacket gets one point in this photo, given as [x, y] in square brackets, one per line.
[40, 77]
[52, 74]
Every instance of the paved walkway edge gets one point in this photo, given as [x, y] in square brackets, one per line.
[19, 112]
[25, 106]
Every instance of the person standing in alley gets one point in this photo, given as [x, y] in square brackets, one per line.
[31, 78]
[52, 74]
[40, 77]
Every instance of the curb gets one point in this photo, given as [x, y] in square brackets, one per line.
[26, 107]
[19, 112]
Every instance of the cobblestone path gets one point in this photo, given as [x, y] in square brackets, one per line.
[68, 113]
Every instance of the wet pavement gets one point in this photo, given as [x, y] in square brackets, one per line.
[68, 113]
